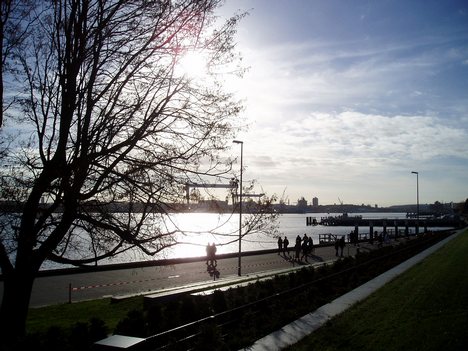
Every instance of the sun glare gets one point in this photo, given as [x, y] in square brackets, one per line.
[193, 64]
[197, 235]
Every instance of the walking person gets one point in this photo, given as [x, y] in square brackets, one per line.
[351, 237]
[310, 245]
[213, 260]
[208, 253]
[280, 245]
[285, 246]
[298, 240]
[297, 249]
[380, 240]
[342, 245]
[304, 248]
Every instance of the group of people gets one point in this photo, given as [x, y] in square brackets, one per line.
[302, 249]
[211, 254]
[339, 246]
[283, 245]
[381, 238]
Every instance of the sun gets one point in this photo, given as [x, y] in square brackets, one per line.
[194, 64]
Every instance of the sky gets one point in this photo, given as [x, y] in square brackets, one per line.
[344, 99]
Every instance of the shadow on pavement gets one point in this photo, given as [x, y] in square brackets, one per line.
[212, 270]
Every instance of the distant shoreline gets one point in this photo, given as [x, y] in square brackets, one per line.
[215, 206]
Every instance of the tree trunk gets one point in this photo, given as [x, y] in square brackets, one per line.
[17, 287]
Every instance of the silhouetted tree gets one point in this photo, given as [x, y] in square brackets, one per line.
[107, 117]
[15, 15]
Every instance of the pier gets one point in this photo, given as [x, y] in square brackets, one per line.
[347, 221]
[388, 228]
[388, 233]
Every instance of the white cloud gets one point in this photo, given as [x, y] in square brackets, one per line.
[354, 117]
[350, 149]
[348, 135]
[385, 79]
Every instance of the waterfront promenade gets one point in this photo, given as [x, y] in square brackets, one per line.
[145, 280]
[295, 331]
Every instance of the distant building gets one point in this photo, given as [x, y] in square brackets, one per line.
[315, 202]
[302, 203]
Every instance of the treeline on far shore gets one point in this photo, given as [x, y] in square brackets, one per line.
[249, 206]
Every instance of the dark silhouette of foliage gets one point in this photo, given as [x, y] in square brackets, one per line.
[115, 130]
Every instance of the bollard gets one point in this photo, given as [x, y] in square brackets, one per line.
[69, 292]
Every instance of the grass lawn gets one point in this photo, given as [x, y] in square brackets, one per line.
[66, 315]
[426, 308]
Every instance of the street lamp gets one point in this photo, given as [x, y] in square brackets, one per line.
[240, 207]
[417, 201]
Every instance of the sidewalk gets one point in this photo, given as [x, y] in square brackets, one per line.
[255, 268]
[168, 276]
[165, 277]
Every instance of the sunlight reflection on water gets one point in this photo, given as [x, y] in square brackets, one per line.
[199, 229]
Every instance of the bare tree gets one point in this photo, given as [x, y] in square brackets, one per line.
[13, 31]
[5, 10]
[110, 119]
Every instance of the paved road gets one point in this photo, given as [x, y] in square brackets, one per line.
[94, 285]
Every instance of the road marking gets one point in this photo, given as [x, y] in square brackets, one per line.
[174, 276]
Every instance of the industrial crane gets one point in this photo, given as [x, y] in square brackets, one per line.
[232, 185]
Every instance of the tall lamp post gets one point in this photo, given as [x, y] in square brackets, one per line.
[240, 208]
[417, 201]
